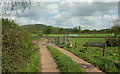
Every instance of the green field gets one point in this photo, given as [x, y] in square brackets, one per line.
[84, 35]
[94, 55]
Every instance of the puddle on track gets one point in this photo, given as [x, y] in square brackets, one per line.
[84, 66]
[51, 44]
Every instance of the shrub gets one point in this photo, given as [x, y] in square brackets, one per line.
[112, 42]
[16, 46]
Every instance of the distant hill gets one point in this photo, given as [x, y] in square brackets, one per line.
[39, 27]
[35, 28]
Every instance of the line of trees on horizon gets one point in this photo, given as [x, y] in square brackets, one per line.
[77, 30]
[39, 29]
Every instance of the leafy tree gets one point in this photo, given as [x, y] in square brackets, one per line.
[86, 31]
[75, 29]
[79, 28]
[61, 30]
[116, 28]
[48, 29]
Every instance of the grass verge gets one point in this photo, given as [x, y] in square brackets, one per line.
[34, 63]
[65, 63]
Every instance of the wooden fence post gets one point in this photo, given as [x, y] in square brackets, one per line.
[58, 39]
[111, 41]
[104, 46]
[67, 38]
[87, 45]
[61, 39]
[69, 42]
[75, 44]
[64, 40]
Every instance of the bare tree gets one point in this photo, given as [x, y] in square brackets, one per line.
[15, 6]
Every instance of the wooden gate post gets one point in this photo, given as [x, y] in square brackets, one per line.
[104, 47]
[75, 44]
[87, 45]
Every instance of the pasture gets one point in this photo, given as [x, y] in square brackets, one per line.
[85, 35]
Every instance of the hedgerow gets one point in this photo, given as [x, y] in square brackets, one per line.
[16, 46]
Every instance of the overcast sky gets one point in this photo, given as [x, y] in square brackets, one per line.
[90, 14]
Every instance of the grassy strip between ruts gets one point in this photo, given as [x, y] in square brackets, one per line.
[34, 64]
[65, 63]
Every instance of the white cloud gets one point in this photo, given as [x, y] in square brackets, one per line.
[90, 15]
[54, 8]
[90, 0]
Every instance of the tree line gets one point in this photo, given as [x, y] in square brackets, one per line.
[43, 29]
[77, 30]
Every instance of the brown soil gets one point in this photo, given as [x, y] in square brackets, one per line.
[48, 64]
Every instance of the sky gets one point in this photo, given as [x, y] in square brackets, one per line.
[89, 14]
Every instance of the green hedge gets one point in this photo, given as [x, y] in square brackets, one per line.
[16, 46]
